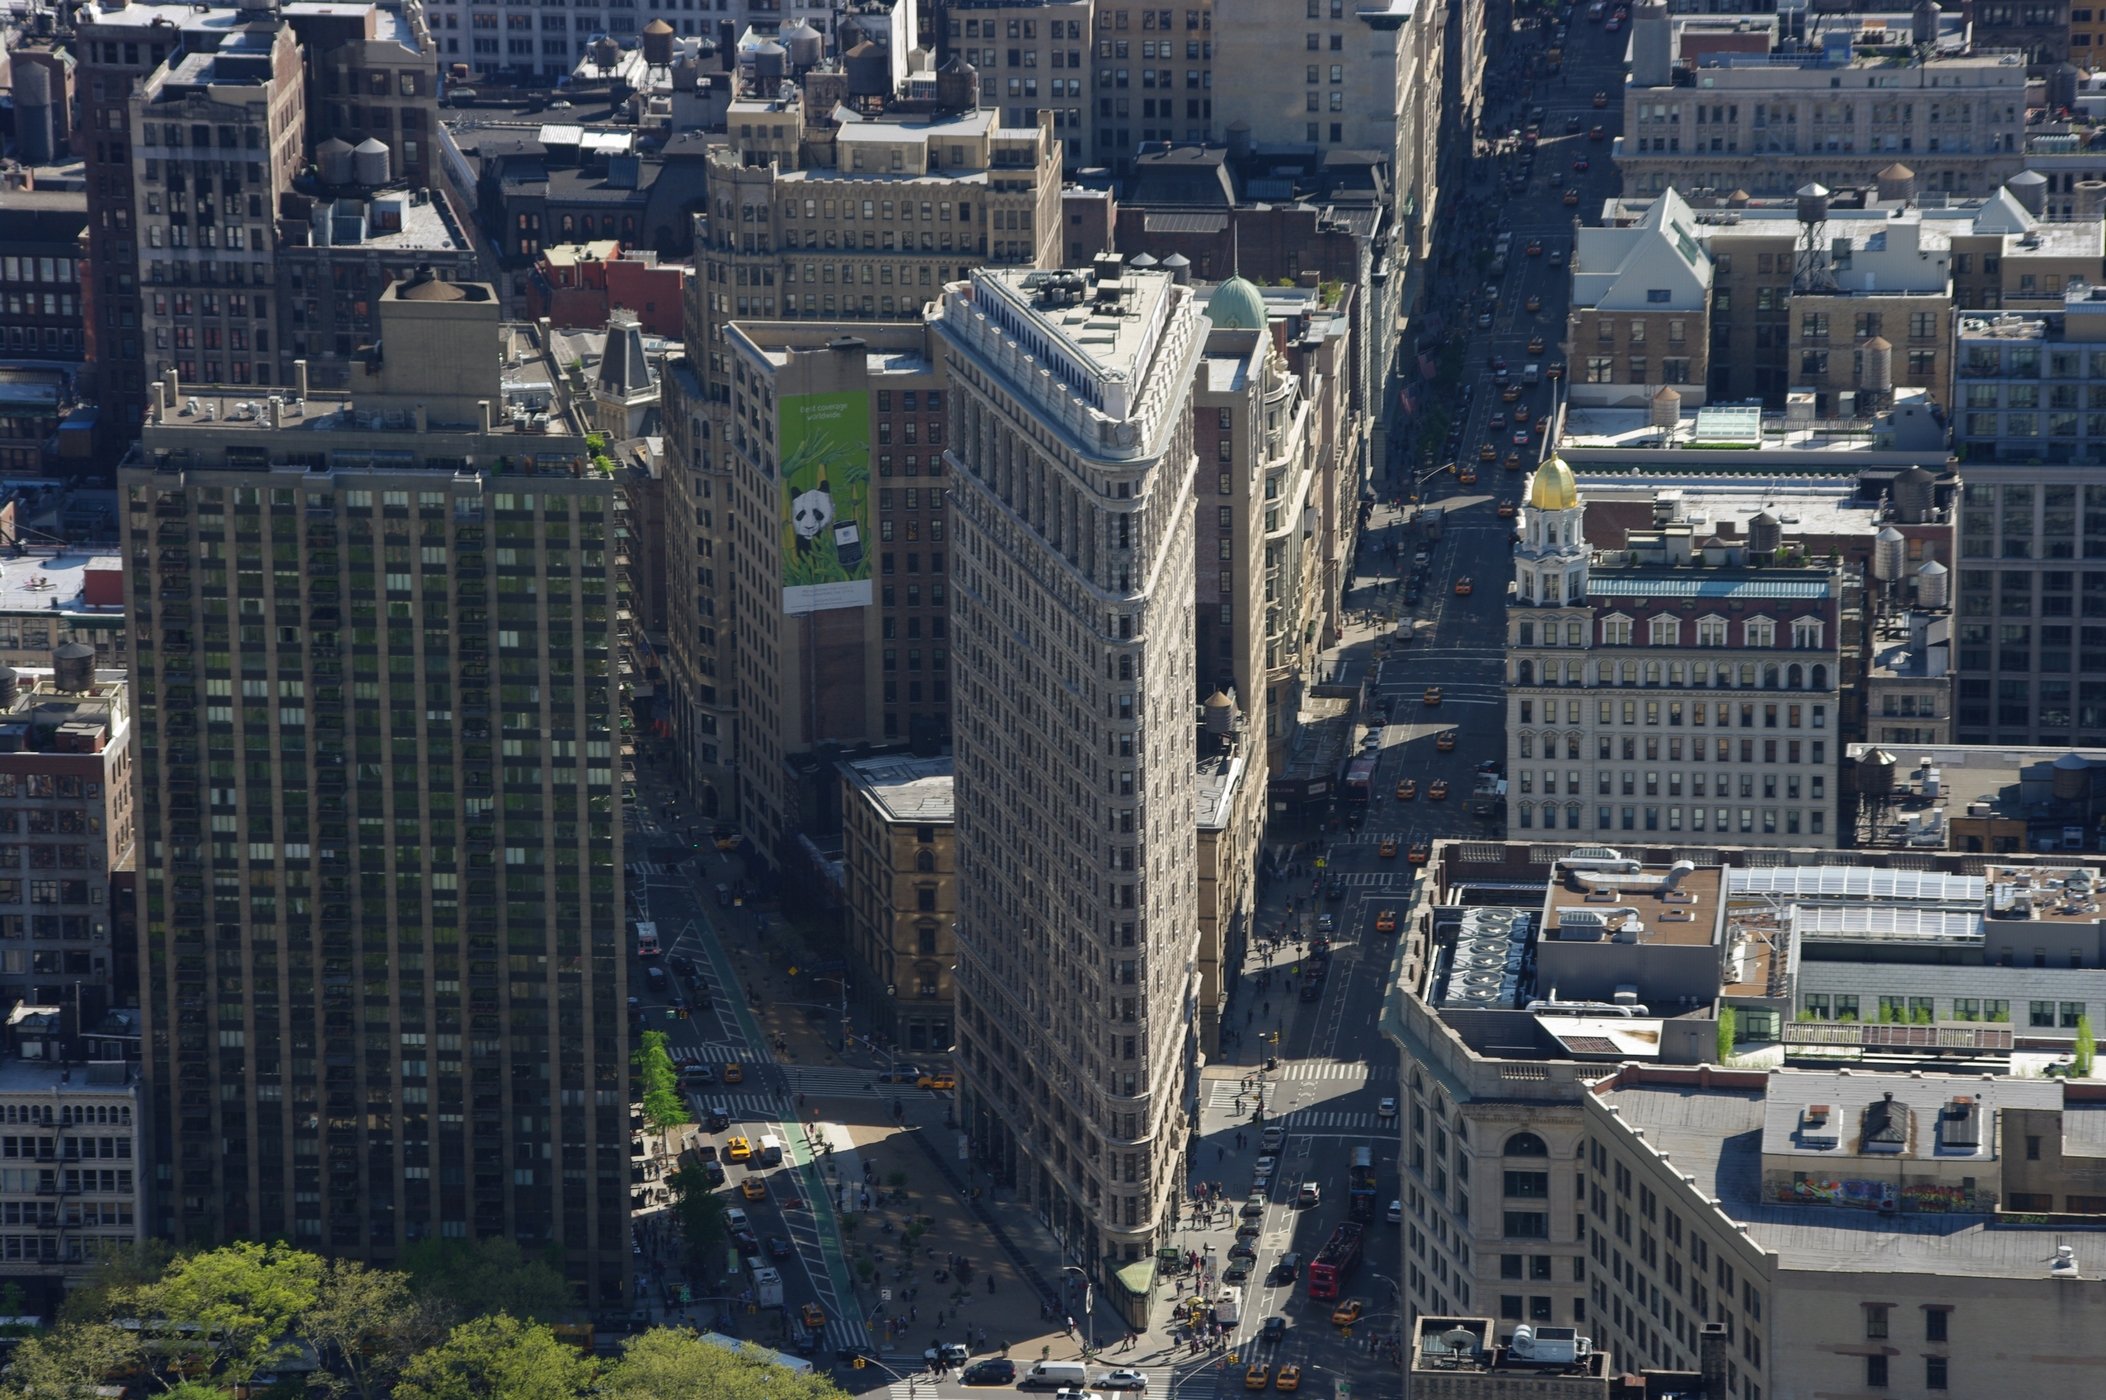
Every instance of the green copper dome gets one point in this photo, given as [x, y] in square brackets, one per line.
[1236, 306]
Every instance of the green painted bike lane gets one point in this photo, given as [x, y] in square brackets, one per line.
[824, 1222]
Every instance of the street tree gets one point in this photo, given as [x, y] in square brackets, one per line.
[497, 1358]
[70, 1361]
[670, 1364]
[367, 1324]
[478, 1277]
[663, 1106]
[700, 1214]
[236, 1305]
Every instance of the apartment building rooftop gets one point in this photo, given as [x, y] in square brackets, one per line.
[1218, 775]
[1720, 438]
[1096, 331]
[906, 788]
[400, 220]
[1639, 906]
[69, 581]
[1980, 797]
[1452, 1346]
[1724, 505]
[1711, 1128]
[45, 713]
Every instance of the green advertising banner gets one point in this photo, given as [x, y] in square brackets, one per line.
[825, 442]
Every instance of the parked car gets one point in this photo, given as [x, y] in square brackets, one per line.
[995, 1370]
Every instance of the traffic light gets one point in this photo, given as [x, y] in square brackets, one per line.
[683, 1013]
[861, 1363]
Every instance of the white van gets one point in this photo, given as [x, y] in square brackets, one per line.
[1532, 374]
[1052, 1375]
[1228, 1309]
[647, 939]
[770, 1150]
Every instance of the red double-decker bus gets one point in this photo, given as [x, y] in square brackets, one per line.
[1335, 1262]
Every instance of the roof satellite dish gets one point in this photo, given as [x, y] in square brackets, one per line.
[1459, 1339]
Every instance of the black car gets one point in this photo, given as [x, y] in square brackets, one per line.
[1274, 1331]
[746, 1240]
[1288, 1269]
[1238, 1270]
[778, 1247]
[995, 1370]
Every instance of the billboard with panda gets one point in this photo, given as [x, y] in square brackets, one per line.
[825, 444]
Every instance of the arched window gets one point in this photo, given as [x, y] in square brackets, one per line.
[1525, 1145]
[1572, 811]
[1769, 675]
[1525, 673]
[1794, 677]
[1820, 677]
[1528, 744]
[925, 861]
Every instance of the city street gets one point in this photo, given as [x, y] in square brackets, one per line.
[1331, 1074]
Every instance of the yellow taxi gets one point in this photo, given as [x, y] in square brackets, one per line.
[1534, 303]
[1290, 1378]
[1445, 741]
[1389, 848]
[1347, 1313]
[1468, 476]
[1258, 1376]
[1535, 345]
[941, 1082]
[1407, 788]
[1487, 453]
[814, 1316]
[1506, 510]
[734, 1073]
[1510, 394]
[753, 1188]
[1437, 789]
[1463, 587]
[1420, 850]
[1431, 695]
[738, 1149]
[1386, 921]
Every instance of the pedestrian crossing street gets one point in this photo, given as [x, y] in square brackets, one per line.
[1161, 1379]
[1308, 1120]
[745, 1108]
[711, 1054]
[1371, 879]
[1339, 1069]
[655, 868]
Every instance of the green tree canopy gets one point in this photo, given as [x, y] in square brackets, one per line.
[241, 1299]
[497, 1358]
[700, 1214]
[70, 1361]
[366, 1324]
[663, 1106]
[488, 1276]
[670, 1364]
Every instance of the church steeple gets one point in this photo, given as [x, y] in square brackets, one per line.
[1550, 565]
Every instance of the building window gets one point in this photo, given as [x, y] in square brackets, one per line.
[1875, 1372]
[1875, 1322]
[1935, 1319]
[1934, 1373]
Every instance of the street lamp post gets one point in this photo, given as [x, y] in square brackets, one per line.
[1089, 1305]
